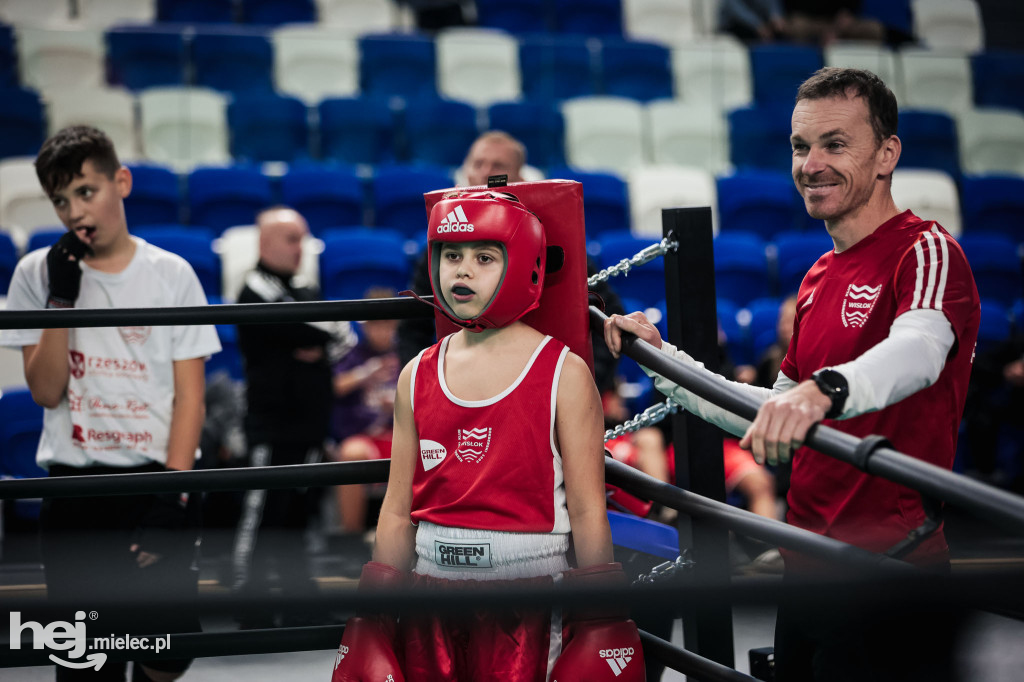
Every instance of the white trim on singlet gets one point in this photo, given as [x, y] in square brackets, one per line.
[487, 401]
[561, 516]
[412, 379]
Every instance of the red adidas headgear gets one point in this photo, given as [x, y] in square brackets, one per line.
[494, 217]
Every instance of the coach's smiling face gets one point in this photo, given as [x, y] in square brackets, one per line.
[840, 167]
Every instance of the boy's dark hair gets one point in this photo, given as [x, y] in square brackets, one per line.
[835, 82]
[61, 157]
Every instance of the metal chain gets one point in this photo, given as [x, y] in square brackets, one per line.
[626, 264]
[668, 570]
[652, 415]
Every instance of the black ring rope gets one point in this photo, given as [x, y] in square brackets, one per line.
[226, 313]
[985, 501]
[340, 473]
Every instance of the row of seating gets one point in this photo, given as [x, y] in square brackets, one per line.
[485, 65]
[348, 259]
[936, 23]
[185, 127]
[390, 195]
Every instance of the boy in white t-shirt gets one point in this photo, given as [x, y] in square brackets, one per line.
[117, 399]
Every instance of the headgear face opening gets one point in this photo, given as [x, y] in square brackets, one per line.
[491, 217]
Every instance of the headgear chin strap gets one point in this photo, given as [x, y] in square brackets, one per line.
[493, 217]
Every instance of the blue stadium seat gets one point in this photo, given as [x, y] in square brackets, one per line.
[220, 198]
[741, 267]
[439, 131]
[645, 283]
[44, 239]
[795, 253]
[195, 245]
[8, 58]
[268, 127]
[764, 317]
[522, 16]
[605, 200]
[21, 424]
[929, 141]
[759, 138]
[196, 11]
[145, 56]
[759, 201]
[556, 67]
[233, 60]
[737, 336]
[357, 130]
[993, 203]
[273, 12]
[640, 70]
[538, 125]
[992, 73]
[398, 196]
[995, 326]
[156, 196]
[8, 261]
[996, 265]
[779, 69]
[22, 125]
[589, 17]
[392, 64]
[326, 197]
[357, 258]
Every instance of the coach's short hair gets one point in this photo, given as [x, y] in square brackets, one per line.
[836, 82]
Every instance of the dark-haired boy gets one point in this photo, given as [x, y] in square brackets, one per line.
[118, 400]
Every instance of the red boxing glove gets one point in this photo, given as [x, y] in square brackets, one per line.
[601, 650]
[367, 649]
[601, 643]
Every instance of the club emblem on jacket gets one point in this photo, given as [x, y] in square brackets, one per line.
[473, 444]
[857, 304]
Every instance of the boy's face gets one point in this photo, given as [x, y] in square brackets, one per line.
[469, 275]
[92, 207]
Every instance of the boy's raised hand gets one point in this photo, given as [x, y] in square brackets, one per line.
[63, 265]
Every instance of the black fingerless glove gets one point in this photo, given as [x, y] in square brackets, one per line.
[63, 263]
[161, 528]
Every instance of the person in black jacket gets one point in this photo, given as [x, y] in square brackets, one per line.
[288, 375]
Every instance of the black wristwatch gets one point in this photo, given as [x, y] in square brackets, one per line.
[834, 385]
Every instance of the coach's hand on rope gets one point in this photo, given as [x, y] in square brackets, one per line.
[605, 630]
[62, 264]
[367, 649]
[782, 421]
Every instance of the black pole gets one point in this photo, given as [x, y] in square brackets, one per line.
[693, 326]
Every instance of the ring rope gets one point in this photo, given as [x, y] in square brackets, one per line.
[226, 313]
[990, 503]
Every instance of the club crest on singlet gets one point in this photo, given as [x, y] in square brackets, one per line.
[473, 444]
[432, 453]
[857, 304]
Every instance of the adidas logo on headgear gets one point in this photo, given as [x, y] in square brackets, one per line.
[455, 221]
[617, 658]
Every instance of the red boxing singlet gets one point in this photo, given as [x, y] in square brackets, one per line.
[489, 464]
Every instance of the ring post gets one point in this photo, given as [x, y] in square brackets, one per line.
[690, 297]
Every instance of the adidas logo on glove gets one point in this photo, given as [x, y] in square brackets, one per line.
[342, 650]
[617, 658]
[455, 221]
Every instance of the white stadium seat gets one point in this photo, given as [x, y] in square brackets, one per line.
[949, 24]
[24, 207]
[713, 71]
[478, 66]
[109, 109]
[652, 188]
[184, 127]
[688, 135]
[51, 59]
[930, 194]
[935, 80]
[313, 63]
[604, 133]
[991, 141]
[669, 22]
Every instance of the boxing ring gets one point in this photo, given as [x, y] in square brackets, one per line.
[876, 578]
